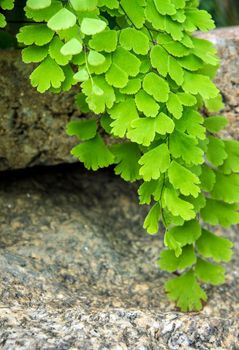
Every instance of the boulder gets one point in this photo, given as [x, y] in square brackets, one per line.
[79, 272]
[32, 126]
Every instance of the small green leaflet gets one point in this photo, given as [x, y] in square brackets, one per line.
[219, 213]
[92, 26]
[183, 179]
[199, 84]
[37, 5]
[151, 223]
[226, 188]
[55, 52]
[207, 178]
[85, 129]
[146, 104]
[150, 189]
[104, 41]
[174, 106]
[211, 246]
[34, 54]
[209, 273]
[134, 11]
[216, 123]
[37, 34]
[133, 39]
[62, 20]
[185, 146]
[176, 205]
[71, 47]
[216, 153]
[170, 263]
[231, 163]
[154, 162]
[186, 292]
[93, 153]
[180, 236]
[96, 102]
[127, 156]
[47, 74]
[156, 87]
[123, 114]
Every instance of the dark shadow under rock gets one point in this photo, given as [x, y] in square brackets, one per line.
[79, 272]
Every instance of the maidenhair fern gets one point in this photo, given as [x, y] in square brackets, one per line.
[145, 79]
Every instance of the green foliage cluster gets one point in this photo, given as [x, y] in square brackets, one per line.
[144, 78]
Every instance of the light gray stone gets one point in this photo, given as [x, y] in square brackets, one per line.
[77, 271]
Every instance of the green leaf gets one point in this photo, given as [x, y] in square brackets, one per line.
[62, 20]
[71, 47]
[84, 5]
[104, 41]
[43, 15]
[164, 124]
[3, 22]
[34, 54]
[174, 106]
[134, 11]
[150, 189]
[216, 153]
[133, 39]
[220, 213]
[142, 131]
[231, 163]
[191, 121]
[37, 5]
[81, 75]
[183, 179]
[146, 104]
[92, 26]
[85, 129]
[186, 292]
[226, 188]
[207, 178]
[176, 205]
[37, 34]
[185, 146]
[170, 263]
[216, 123]
[55, 52]
[156, 87]
[175, 48]
[127, 156]
[180, 236]
[132, 87]
[127, 61]
[151, 223]
[154, 162]
[47, 74]
[95, 58]
[209, 273]
[93, 153]
[165, 7]
[200, 19]
[116, 76]
[211, 246]
[123, 114]
[199, 84]
[98, 103]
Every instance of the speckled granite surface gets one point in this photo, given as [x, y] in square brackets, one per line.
[32, 125]
[77, 271]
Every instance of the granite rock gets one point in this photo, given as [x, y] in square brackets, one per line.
[32, 126]
[77, 271]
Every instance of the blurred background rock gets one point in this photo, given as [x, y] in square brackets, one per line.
[224, 12]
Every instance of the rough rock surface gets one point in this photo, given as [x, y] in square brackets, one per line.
[77, 271]
[32, 125]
